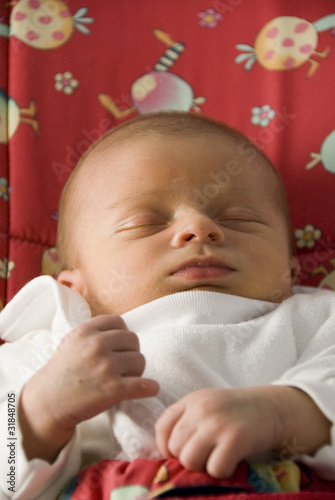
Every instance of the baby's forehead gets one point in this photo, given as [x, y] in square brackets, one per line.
[114, 146]
[114, 151]
[208, 157]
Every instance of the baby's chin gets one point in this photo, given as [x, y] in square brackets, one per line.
[106, 307]
[275, 296]
[98, 309]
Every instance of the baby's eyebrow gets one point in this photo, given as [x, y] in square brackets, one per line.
[135, 198]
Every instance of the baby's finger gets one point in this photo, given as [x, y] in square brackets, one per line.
[165, 425]
[136, 388]
[105, 322]
[128, 364]
[121, 340]
[195, 451]
[181, 434]
[225, 457]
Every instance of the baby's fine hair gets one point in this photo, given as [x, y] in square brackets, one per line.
[168, 123]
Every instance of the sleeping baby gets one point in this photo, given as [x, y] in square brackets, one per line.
[175, 328]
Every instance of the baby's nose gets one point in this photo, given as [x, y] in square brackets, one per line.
[197, 228]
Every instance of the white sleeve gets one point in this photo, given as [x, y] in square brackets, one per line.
[36, 479]
[314, 370]
[33, 323]
[323, 394]
[19, 478]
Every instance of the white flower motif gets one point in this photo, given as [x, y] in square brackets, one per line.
[6, 267]
[307, 236]
[197, 103]
[262, 115]
[65, 82]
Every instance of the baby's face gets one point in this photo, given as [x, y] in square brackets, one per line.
[166, 214]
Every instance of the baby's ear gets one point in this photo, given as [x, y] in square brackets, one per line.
[72, 279]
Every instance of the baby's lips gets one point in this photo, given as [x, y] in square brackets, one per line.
[201, 262]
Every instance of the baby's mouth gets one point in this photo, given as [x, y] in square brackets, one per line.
[203, 269]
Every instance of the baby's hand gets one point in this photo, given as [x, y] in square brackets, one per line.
[214, 429]
[97, 365]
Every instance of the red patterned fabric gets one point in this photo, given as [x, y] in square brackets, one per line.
[70, 70]
[158, 479]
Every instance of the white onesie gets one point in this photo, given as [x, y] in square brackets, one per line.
[191, 340]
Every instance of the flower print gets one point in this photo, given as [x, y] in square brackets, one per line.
[65, 82]
[262, 115]
[6, 267]
[197, 103]
[4, 189]
[209, 18]
[307, 236]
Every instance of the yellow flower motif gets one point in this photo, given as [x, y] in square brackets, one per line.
[65, 82]
[6, 267]
[307, 236]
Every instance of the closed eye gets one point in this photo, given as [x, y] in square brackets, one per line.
[142, 224]
[241, 222]
[233, 220]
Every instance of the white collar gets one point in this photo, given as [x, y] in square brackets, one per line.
[196, 307]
